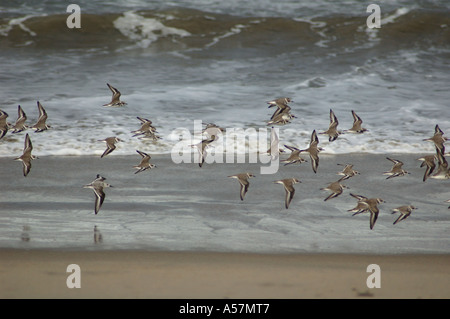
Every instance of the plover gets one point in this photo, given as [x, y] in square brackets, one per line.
[361, 206]
[97, 186]
[347, 172]
[282, 118]
[429, 162]
[313, 151]
[288, 184]
[442, 171]
[201, 147]
[145, 162]
[115, 101]
[396, 169]
[146, 127]
[281, 104]
[243, 181]
[405, 212]
[212, 129]
[357, 122]
[3, 124]
[336, 189]
[110, 144]
[367, 204]
[26, 157]
[438, 139]
[294, 157]
[41, 124]
[19, 126]
[332, 131]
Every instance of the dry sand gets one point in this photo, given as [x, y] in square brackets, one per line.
[163, 275]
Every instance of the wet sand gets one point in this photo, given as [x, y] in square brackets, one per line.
[165, 275]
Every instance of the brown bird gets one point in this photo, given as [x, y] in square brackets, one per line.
[110, 144]
[243, 181]
[332, 131]
[41, 124]
[20, 126]
[3, 124]
[357, 122]
[438, 139]
[347, 172]
[145, 162]
[336, 189]
[288, 184]
[367, 204]
[405, 212]
[115, 101]
[281, 104]
[429, 162]
[313, 151]
[396, 169]
[26, 157]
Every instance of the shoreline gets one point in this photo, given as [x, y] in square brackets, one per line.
[213, 275]
[182, 207]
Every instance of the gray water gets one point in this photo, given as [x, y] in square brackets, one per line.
[179, 62]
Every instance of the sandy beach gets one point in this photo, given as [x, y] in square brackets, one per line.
[162, 275]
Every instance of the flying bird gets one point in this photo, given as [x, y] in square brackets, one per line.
[115, 101]
[97, 185]
[243, 181]
[26, 157]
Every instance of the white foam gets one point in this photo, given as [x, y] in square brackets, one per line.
[145, 31]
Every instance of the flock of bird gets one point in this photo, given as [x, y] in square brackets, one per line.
[281, 116]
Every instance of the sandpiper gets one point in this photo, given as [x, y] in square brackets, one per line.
[294, 157]
[26, 157]
[201, 147]
[110, 144]
[41, 125]
[396, 169]
[429, 162]
[313, 151]
[146, 127]
[115, 101]
[347, 172]
[282, 117]
[145, 162]
[212, 129]
[405, 212]
[281, 104]
[357, 122]
[448, 201]
[243, 181]
[367, 204]
[438, 139]
[336, 189]
[3, 124]
[19, 126]
[288, 184]
[97, 185]
[332, 131]
[442, 171]
[361, 206]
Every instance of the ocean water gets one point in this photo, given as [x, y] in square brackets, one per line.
[220, 61]
[181, 62]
